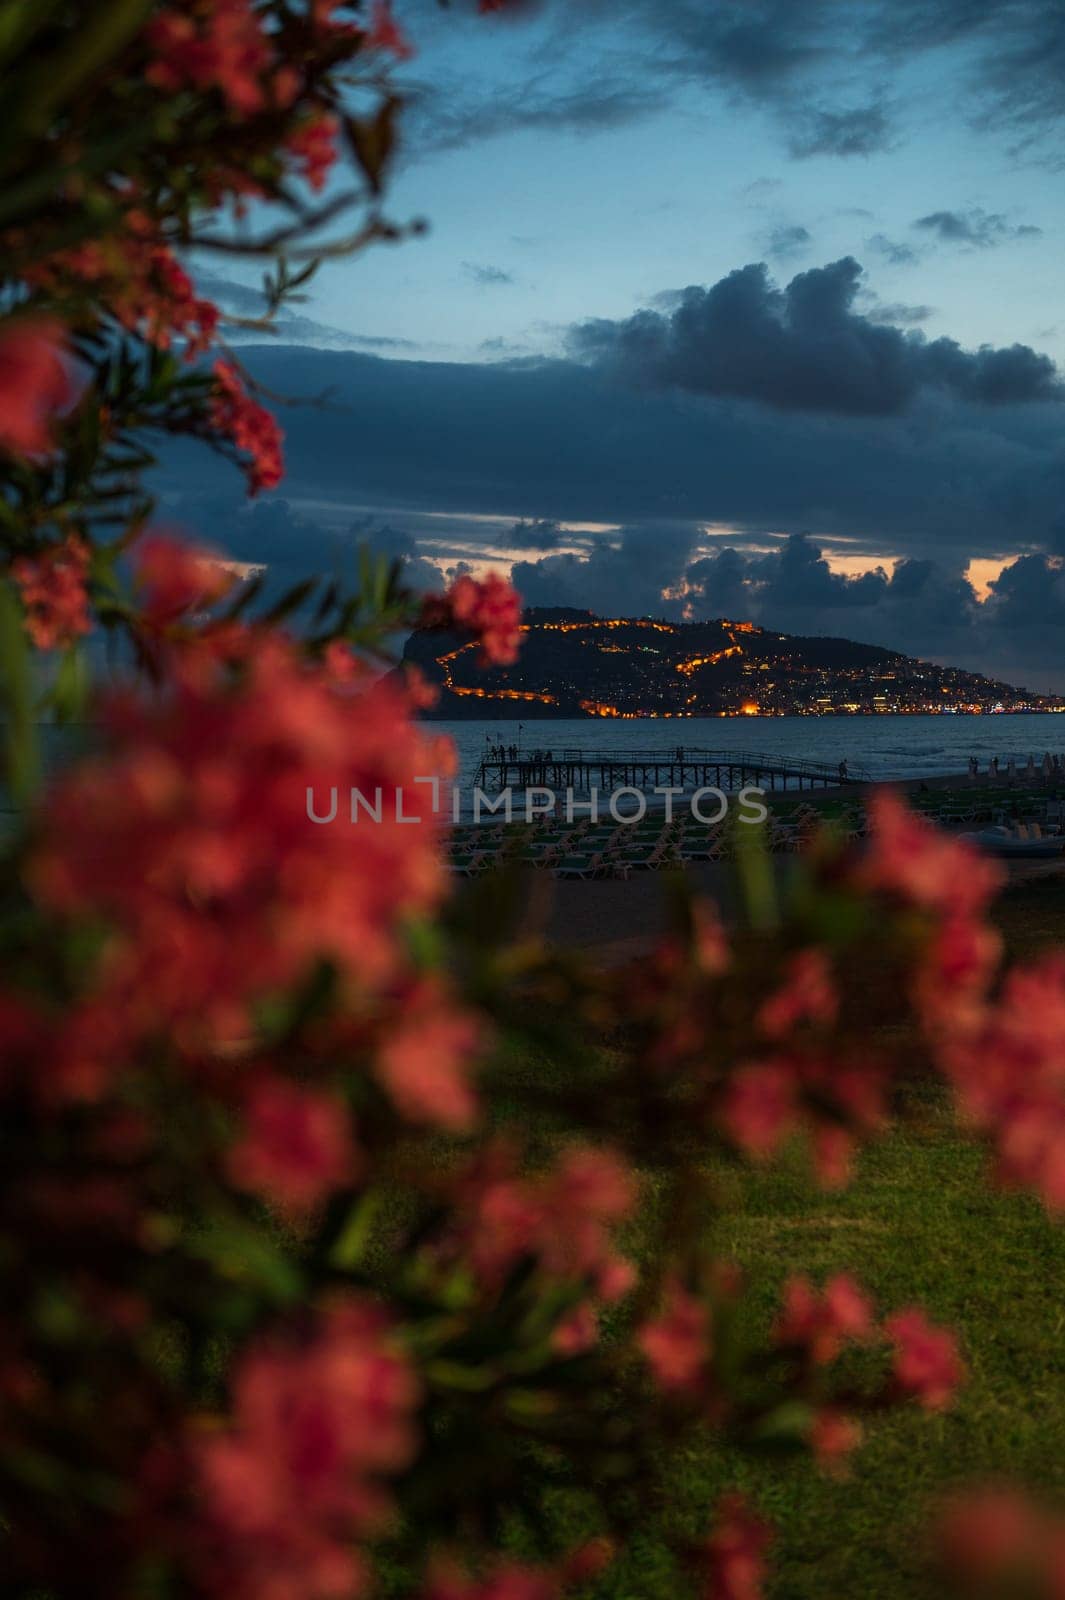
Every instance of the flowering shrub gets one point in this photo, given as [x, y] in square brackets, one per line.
[303, 1287]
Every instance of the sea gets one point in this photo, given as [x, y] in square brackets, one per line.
[878, 747]
[883, 747]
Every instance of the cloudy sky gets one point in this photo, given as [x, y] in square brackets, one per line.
[727, 307]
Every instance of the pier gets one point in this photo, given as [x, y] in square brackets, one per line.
[680, 767]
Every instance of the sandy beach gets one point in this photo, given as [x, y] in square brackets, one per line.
[621, 919]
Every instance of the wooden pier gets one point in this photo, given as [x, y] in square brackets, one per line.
[679, 767]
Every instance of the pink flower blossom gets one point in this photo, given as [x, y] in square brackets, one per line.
[808, 994]
[927, 1363]
[386, 34]
[313, 147]
[223, 48]
[823, 1323]
[298, 1476]
[993, 1541]
[733, 1560]
[489, 609]
[54, 597]
[426, 1057]
[34, 383]
[909, 857]
[175, 578]
[564, 1216]
[295, 1147]
[677, 1342]
[250, 426]
[1008, 1073]
[192, 839]
[833, 1437]
[761, 1108]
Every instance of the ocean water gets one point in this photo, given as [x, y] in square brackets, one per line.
[885, 747]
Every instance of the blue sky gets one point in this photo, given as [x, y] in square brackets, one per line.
[583, 161]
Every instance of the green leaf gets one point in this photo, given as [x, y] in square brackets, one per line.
[22, 757]
[239, 1250]
[70, 693]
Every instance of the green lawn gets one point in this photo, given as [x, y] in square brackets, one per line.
[919, 1223]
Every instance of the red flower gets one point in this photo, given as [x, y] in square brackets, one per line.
[733, 1559]
[145, 287]
[224, 48]
[192, 838]
[297, 1477]
[564, 1216]
[823, 1323]
[807, 995]
[507, 1581]
[296, 1145]
[425, 1060]
[994, 1541]
[927, 1364]
[490, 610]
[1008, 1072]
[761, 1108]
[386, 34]
[314, 148]
[52, 586]
[251, 427]
[910, 858]
[830, 1100]
[832, 1438]
[176, 578]
[34, 383]
[677, 1343]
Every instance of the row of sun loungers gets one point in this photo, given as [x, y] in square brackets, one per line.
[586, 849]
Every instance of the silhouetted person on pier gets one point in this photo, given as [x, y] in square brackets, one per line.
[843, 772]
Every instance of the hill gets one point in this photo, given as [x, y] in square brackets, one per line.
[575, 664]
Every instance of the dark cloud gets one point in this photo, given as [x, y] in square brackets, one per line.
[556, 440]
[784, 243]
[453, 116]
[1030, 594]
[805, 348]
[980, 229]
[861, 131]
[626, 574]
[542, 534]
[923, 608]
[289, 545]
[817, 68]
[894, 251]
[487, 276]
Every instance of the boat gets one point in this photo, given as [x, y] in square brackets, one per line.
[1001, 841]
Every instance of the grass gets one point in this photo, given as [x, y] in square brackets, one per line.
[920, 1223]
[1031, 915]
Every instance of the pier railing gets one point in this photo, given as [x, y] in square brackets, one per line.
[680, 766]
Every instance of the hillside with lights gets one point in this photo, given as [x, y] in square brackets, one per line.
[575, 664]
